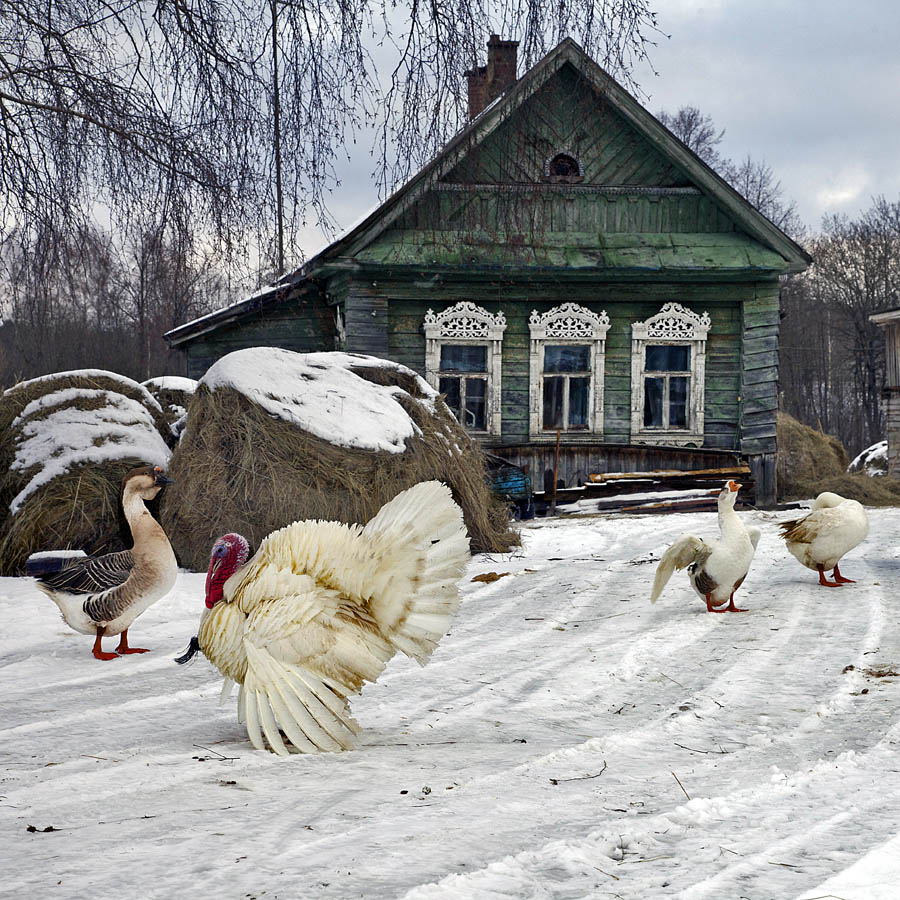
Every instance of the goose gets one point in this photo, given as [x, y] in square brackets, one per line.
[103, 595]
[828, 532]
[716, 568]
[322, 606]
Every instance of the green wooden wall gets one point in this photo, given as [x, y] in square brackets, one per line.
[567, 115]
[624, 303]
[301, 323]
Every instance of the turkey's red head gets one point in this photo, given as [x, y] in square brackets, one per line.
[229, 553]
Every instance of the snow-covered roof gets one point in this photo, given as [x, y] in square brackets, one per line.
[69, 437]
[320, 393]
[149, 399]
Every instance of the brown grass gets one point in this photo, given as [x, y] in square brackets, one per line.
[79, 509]
[240, 469]
[810, 462]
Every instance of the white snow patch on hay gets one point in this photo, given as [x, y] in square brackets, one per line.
[70, 437]
[873, 460]
[95, 373]
[320, 393]
[171, 383]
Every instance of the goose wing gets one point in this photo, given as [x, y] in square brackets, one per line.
[687, 549]
[818, 523]
[92, 575]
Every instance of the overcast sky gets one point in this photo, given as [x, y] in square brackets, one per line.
[813, 88]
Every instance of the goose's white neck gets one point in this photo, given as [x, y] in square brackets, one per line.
[147, 533]
[729, 521]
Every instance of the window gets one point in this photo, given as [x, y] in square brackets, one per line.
[668, 366]
[564, 168]
[567, 360]
[462, 360]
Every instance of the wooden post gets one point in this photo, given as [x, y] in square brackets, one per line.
[555, 474]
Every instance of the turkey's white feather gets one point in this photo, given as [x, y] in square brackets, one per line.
[322, 606]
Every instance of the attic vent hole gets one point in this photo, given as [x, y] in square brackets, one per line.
[563, 168]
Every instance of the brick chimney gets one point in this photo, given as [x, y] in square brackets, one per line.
[486, 83]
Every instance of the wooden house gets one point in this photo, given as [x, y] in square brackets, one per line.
[565, 263]
[889, 322]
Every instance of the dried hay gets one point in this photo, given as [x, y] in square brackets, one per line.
[239, 468]
[810, 462]
[66, 441]
[173, 394]
[805, 457]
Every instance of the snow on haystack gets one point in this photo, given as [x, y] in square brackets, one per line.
[873, 460]
[173, 393]
[274, 436]
[66, 441]
[54, 443]
[322, 394]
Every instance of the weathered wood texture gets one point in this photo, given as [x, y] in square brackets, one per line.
[891, 402]
[576, 464]
[304, 324]
[567, 115]
[625, 304]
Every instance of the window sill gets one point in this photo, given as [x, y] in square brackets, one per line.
[668, 438]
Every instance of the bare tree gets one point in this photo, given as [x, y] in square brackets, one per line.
[695, 130]
[130, 104]
[752, 179]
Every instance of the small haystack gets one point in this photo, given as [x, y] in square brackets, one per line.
[66, 440]
[173, 393]
[274, 436]
[810, 462]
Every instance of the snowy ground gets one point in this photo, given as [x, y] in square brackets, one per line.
[569, 740]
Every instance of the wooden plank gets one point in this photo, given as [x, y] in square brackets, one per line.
[669, 473]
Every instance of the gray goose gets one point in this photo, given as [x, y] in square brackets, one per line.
[103, 595]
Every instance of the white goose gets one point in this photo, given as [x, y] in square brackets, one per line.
[103, 595]
[322, 606]
[830, 530]
[716, 568]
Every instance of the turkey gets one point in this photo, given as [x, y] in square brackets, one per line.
[829, 531]
[322, 606]
[716, 568]
[103, 595]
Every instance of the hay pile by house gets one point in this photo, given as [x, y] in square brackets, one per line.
[66, 441]
[274, 436]
[173, 393]
[810, 462]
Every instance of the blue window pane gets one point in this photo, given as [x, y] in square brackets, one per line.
[668, 358]
[553, 402]
[653, 402]
[678, 393]
[476, 404]
[449, 387]
[579, 390]
[463, 358]
[567, 358]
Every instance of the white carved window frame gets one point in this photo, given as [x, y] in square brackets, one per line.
[568, 324]
[467, 323]
[674, 324]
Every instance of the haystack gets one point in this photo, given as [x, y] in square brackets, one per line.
[66, 440]
[173, 393]
[810, 462]
[274, 436]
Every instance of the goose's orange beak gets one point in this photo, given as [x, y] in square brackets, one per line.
[733, 486]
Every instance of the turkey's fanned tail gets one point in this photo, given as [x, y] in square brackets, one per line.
[422, 549]
[277, 696]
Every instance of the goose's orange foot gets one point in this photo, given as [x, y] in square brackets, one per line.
[836, 575]
[732, 608]
[824, 581]
[98, 651]
[709, 605]
[124, 648]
